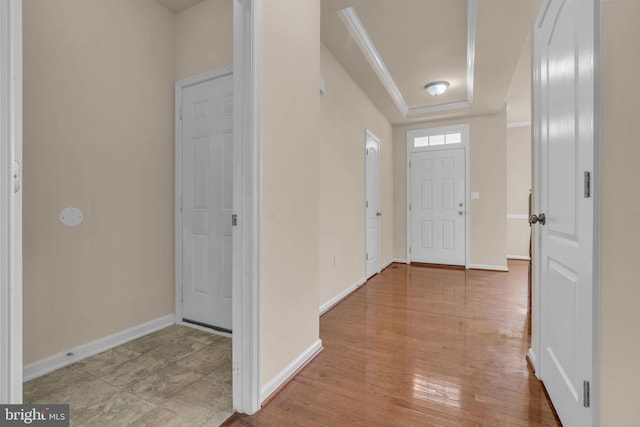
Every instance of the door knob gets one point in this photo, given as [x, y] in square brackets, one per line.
[538, 218]
[378, 213]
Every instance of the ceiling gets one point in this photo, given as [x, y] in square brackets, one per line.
[178, 6]
[419, 41]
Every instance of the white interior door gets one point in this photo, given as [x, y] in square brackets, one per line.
[564, 258]
[372, 205]
[207, 191]
[437, 206]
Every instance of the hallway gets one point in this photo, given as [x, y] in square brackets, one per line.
[420, 346]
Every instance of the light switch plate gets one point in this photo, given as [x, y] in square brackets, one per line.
[475, 195]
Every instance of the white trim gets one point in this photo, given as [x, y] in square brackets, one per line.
[534, 362]
[520, 257]
[342, 295]
[472, 13]
[83, 351]
[247, 140]
[464, 129]
[488, 267]
[270, 387]
[518, 216]
[438, 108]
[511, 125]
[597, 204]
[387, 264]
[401, 261]
[359, 33]
[179, 87]
[10, 202]
[369, 134]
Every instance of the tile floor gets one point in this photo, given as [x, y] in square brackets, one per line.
[178, 376]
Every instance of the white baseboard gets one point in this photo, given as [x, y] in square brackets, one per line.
[521, 257]
[83, 351]
[488, 267]
[387, 264]
[401, 260]
[272, 385]
[335, 300]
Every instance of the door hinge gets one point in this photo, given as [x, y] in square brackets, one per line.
[367, 257]
[180, 113]
[409, 206]
[409, 163]
[587, 184]
[586, 393]
[180, 204]
[409, 249]
[366, 204]
[234, 220]
[16, 176]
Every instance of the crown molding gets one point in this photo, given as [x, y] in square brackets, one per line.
[358, 31]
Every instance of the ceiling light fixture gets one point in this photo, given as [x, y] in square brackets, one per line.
[436, 88]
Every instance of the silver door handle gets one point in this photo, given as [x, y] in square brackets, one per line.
[378, 213]
[541, 218]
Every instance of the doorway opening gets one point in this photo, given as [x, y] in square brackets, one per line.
[246, 18]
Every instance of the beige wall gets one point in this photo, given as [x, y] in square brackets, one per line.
[488, 176]
[290, 182]
[518, 186]
[98, 135]
[345, 113]
[204, 38]
[620, 206]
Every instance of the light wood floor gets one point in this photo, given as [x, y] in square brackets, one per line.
[419, 346]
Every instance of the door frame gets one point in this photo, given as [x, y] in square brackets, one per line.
[10, 201]
[536, 294]
[180, 86]
[463, 128]
[247, 190]
[247, 85]
[368, 134]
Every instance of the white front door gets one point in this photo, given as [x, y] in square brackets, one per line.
[207, 202]
[372, 204]
[564, 144]
[437, 206]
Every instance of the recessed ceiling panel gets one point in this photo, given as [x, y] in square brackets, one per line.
[420, 42]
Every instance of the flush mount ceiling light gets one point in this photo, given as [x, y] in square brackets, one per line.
[436, 88]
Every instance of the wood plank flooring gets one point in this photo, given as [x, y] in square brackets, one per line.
[419, 346]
